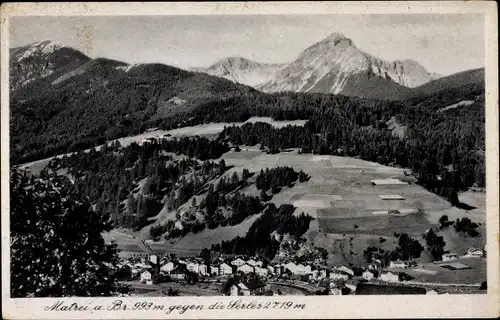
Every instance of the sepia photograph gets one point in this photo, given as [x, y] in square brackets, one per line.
[262, 156]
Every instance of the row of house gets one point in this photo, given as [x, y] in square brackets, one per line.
[239, 265]
[386, 276]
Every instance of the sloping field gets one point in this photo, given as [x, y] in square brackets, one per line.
[207, 237]
[342, 199]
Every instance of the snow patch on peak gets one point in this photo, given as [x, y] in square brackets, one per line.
[40, 48]
[126, 68]
[242, 70]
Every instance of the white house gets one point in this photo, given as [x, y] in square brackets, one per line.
[245, 268]
[345, 269]
[179, 273]
[193, 267]
[234, 290]
[153, 259]
[214, 270]
[243, 289]
[262, 272]
[224, 268]
[249, 287]
[292, 267]
[146, 276]
[238, 262]
[399, 264]
[338, 275]
[315, 274]
[474, 253]
[252, 262]
[322, 274]
[351, 285]
[270, 269]
[389, 277]
[303, 269]
[368, 275]
[169, 266]
[335, 291]
[203, 269]
[450, 256]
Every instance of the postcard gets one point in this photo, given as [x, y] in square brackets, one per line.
[250, 160]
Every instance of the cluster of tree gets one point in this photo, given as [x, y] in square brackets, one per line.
[239, 207]
[407, 249]
[435, 244]
[278, 177]
[466, 226]
[225, 185]
[444, 222]
[134, 183]
[274, 139]
[55, 238]
[259, 239]
[197, 147]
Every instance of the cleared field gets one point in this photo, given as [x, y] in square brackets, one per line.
[316, 200]
[414, 224]
[437, 274]
[348, 248]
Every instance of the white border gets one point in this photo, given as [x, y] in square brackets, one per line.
[317, 306]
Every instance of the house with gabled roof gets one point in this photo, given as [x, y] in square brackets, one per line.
[224, 268]
[238, 262]
[251, 286]
[246, 268]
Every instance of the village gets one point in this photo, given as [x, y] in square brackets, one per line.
[244, 276]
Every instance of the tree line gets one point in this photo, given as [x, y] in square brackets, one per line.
[259, 239]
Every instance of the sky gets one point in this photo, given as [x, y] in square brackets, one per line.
[442, 43]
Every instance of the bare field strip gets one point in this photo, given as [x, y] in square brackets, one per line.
[316, 200]
[387, 225]
[426, 271]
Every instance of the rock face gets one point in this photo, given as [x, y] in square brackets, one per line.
[333, 65]
[336, 65]
[241, 70]
[41, 59]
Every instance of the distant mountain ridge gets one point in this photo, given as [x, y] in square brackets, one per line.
[241, 70]
[333, 65]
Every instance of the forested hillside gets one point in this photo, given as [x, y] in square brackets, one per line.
[445, 149]
[102, 100]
